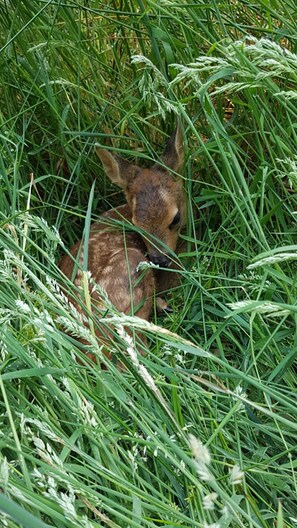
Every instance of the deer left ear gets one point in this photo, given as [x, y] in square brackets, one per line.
[119, 171]
[173, 155]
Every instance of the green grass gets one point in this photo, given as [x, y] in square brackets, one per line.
[86, 447]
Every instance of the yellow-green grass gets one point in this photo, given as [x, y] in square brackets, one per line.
[202, 430]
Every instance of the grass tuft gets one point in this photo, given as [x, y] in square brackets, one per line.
[200, 432]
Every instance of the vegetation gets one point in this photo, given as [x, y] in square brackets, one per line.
[202, 430]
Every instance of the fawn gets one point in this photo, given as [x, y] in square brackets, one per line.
[156, 204]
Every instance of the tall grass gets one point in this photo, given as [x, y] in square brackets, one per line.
[202, 430]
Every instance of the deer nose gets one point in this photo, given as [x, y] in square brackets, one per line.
[161, 261]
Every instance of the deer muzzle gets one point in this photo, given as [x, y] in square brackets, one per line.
[160, 260]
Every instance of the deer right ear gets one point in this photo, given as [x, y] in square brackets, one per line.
[173, 155]
[119, 171]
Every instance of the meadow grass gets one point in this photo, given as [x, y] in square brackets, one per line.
[200, 432]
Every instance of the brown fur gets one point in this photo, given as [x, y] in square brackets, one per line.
[154, 197]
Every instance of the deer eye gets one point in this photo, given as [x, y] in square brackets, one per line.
[175, 221]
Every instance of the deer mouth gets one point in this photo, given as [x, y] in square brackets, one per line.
[161, 261]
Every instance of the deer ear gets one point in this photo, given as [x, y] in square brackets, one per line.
[173, 155]
[119, 171]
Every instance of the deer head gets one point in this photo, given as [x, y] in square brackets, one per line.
[155, 196]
